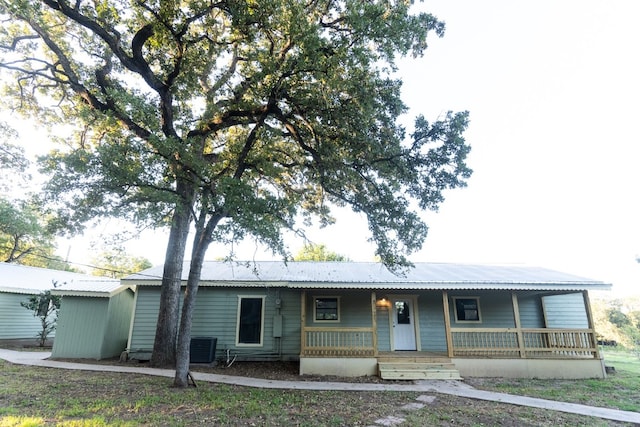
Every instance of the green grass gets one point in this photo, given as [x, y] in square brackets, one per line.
[35, 396]
[619, 390]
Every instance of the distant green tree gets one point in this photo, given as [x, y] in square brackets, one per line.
[24, 238]
[311, 252]
[116, 263]
[617, 317]
[44, 306]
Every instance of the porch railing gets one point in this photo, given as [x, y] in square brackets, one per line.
[524, 343]
[337, 342]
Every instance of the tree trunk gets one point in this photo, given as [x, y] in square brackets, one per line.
[164, 345]
[201, 243]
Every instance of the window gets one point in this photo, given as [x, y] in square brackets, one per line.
[467, 309]
[326, 309]
[250, 321]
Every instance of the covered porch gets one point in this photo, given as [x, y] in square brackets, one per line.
[341, 348]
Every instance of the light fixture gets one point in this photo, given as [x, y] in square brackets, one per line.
[383, 302]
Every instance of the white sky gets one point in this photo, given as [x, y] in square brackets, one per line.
[553, 90]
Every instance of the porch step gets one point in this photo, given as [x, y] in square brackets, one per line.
[418, 371]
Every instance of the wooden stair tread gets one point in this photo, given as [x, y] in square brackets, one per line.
[417, 371]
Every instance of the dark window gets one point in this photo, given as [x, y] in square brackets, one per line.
[402, 312]
[250, 321]
[467, 309]
[327, 309]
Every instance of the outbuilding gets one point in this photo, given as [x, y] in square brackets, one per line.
[94, 319]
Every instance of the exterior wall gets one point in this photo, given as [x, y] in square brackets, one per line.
[531, 368]
[530, 305]
[496, 309]
[216, 315]
[16, 322]
[432, 335]
[565, 311]
[143, 324]
[81, 326]
[118, 321]
[384, 334]
[355, 308]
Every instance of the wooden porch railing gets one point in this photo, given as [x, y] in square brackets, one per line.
[524, 343]
[337, 342]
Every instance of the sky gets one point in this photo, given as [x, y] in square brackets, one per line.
[553, 91]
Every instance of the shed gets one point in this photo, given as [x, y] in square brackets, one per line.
[17, 284]
[94, 319]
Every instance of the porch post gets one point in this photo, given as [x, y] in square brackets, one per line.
[374, 324]
[303, 322]
[594, 338]
[447, 323]
[516, 319]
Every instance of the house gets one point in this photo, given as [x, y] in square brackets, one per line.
[94, 319]
[17, 284]
[345, 318]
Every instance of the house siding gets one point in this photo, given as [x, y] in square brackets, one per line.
[565, 311]
[80, 327]
[496, 309]
[143, 324]
[118, 321]
[384, 334]
[530, 307]
[432, 333]
[17, 322]
[355, 308]
[215, 316]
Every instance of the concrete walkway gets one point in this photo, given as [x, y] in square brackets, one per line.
[450, 387]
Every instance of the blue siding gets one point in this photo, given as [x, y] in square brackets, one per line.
[530, 305]
[432, 334]
[565, 311]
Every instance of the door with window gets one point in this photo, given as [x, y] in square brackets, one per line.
[403, 324]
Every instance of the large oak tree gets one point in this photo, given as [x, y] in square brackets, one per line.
[236, 118]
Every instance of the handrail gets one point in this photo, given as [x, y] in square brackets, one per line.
[524, 342]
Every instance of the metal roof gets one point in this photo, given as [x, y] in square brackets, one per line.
[21, 279]
[91, 288]
[370, 275]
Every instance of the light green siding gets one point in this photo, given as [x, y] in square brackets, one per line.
[118, 321]
[145, 319]
[93, 327]
[216, 316]
[17, 322]
[80, 327]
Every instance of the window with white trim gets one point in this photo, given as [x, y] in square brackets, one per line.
[326, 309]
[250, 327]
[467, 309]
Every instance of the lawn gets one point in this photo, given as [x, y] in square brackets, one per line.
[619, 390]
[34, 396]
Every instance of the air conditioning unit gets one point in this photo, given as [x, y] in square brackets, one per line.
[203, 350]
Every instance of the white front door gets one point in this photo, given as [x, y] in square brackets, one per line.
[404, 331]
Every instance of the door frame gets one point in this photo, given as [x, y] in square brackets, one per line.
[416, 320]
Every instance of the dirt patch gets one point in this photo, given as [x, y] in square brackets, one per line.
[284, 371]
